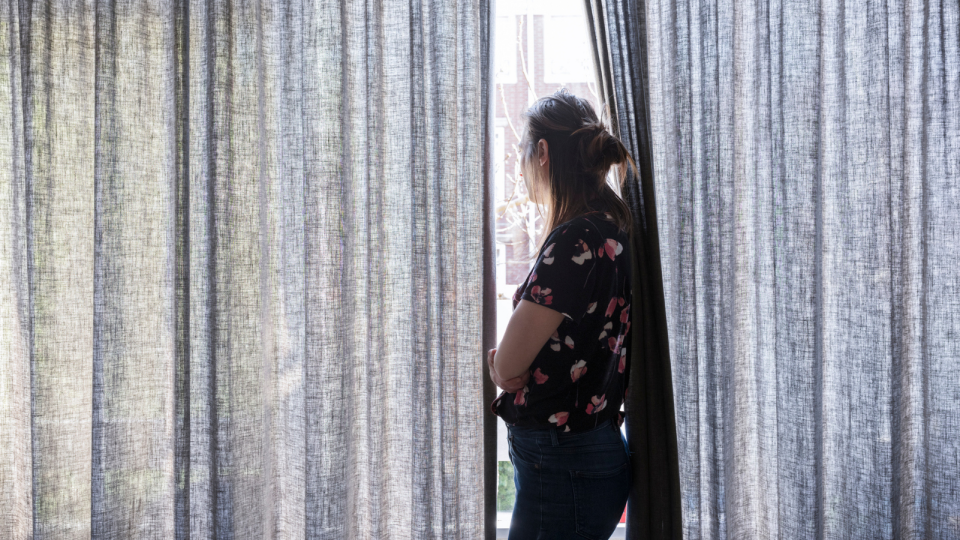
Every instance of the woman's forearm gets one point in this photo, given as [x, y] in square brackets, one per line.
[530, 326]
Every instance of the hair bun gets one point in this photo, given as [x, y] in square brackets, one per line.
[599, 149]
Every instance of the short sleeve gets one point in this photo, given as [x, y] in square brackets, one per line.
[565, 275]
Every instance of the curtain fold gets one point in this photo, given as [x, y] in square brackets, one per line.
[241, 250]
[489, 290]
[807, 158]
[653, 509]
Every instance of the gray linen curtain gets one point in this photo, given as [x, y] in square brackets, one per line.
[807, 171]
[240, 254]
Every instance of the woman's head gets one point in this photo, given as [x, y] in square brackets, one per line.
[565, 154]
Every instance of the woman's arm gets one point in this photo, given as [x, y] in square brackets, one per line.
[510, 385]
[530, 326]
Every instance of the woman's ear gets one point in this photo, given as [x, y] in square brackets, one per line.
[542, 152]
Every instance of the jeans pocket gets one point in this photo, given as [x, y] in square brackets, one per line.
[600, 497]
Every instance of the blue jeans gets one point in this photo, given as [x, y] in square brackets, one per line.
[569, 485]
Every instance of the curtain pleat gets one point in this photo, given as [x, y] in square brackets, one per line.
[244, 254]
[16, 425]
[489, 290]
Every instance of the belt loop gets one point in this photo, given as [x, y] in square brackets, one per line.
[553, 437]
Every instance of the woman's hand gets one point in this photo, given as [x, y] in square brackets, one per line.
[510, 385]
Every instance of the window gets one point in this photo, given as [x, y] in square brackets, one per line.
[505, 50]
[564, 61]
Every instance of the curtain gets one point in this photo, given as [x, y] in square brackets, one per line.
[807, 172]
[241, 249]
[619, 46]
[488, 292]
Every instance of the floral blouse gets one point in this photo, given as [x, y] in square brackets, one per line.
[579, 377]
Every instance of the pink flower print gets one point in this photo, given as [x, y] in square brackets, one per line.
[611, 248]
[596, 404]
[541, 378]
[615, 343]
[608, 326]
[521, 398]
[547, 259]
[591, 307]
[555, 346]
[625, 314]
[555, 337]
[541, 296]
[585, 253]
[559, 418]
[568, 342]
[623, 360]
[533, 277]
[610, 307]
[578, 370]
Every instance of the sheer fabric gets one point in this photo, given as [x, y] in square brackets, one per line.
[241, 252]
[807, 157]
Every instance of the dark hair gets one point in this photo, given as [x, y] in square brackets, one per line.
[581, 152]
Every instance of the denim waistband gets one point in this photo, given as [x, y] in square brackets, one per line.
[555, 434]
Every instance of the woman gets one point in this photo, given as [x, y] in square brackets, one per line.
[563, 359]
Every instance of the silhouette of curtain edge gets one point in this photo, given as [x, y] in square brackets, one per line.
[619, 53]
[490, 469]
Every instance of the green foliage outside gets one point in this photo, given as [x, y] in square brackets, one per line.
[506, 491]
